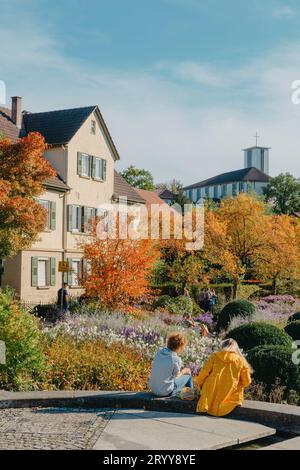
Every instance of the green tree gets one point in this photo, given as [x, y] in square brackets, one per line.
[138, 178]
[283, 192]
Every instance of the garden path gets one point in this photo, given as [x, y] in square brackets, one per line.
[148, 430]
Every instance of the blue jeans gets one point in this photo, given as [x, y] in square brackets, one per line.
[182, 381]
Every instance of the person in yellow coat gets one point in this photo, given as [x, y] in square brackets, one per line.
[222, 380]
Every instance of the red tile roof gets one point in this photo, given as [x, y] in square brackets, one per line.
[123, 189]
[7, 126]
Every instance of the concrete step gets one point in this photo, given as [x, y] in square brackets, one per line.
[148, 430]
[289, 444]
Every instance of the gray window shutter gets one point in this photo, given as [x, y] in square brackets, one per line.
[52, 215]
[69, 274]
[85, 266]
[34, 271]
[93, 167]
[70, 217]
[79, 164]
[52, 271]
[84, 218]
[104, 170]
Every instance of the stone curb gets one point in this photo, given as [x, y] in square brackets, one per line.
[282, 417]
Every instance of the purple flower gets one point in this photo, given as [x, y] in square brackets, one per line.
[206, 318]
[195, 369]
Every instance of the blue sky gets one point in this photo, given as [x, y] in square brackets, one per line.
[183, 84]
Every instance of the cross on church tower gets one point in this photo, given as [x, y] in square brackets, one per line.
[256, 138]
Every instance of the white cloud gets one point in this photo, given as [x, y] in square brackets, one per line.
[186, 120]
[284, 12]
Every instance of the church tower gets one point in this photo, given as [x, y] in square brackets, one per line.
[257, 157]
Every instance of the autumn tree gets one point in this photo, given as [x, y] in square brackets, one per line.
[247, 233]
[280, 256]
[23, 170]
[120, 268]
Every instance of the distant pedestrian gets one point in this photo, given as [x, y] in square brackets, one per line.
[63, 298]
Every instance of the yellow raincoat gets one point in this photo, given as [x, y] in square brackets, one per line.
[222, 381]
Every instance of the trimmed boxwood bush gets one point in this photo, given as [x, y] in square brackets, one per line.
[293, 329]
[255, 334]
[294, 317]
[237, 308]
[273, 361]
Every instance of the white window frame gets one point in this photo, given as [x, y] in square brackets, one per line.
[75, 282]
[46, 205]
[100, 161]
[47, 274]
[76, 221]
[85, 158]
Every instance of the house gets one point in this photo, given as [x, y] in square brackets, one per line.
[83, 153]
[252, 178]
[167, 196]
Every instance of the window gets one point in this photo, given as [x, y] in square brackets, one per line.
[224, 190]
[42, 272]
[50, 207]
[241, 187]
[85, 165]
[89, 214]
[234, 189]
[207, 191]
[93, 127]
[216, 194]
[99, 169]
[46, 206]
[198, 194]
[75, 274]
[76, 218]
[190, 196]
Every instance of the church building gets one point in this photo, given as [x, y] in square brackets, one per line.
[252, 178]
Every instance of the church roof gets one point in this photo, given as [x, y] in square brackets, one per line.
[245, 174]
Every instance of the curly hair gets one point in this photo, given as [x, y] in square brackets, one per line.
[175, 341]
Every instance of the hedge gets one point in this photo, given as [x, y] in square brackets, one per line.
[274, 361]
[293, 329]
[255, 334]
[237, 308]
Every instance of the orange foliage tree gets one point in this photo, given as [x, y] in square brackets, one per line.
[120, 269]
[280, 257]
[247, 231]
[23, 170]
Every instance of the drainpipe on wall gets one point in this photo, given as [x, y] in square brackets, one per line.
[65, 198]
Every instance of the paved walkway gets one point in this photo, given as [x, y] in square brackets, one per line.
[289, 444]
[70, 428]
[148, 430]
[51, 428]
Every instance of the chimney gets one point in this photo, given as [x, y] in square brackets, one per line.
[16, 110]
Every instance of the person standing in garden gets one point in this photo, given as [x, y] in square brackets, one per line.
[63, 298]
[167, 376]
[223, 379]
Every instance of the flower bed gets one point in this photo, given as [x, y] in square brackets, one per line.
[144, 338]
